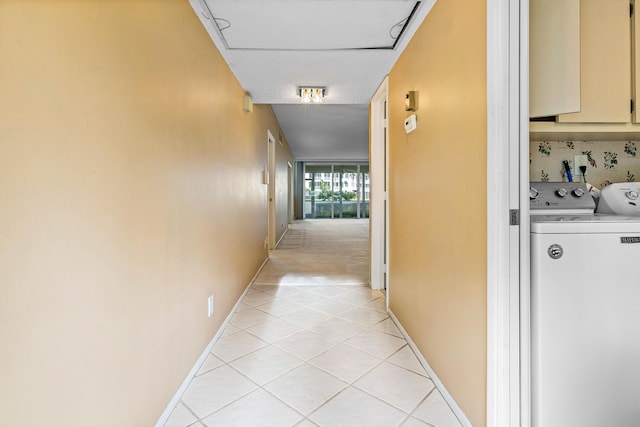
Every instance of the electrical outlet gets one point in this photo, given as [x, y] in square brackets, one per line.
[579, 160]
[210, 306]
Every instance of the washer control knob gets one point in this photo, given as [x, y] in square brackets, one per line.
[533, 193]
[561, 192]
[632, 195]
[578, 192]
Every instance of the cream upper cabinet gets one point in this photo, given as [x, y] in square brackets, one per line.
[605, 63]
[636, 68]
[554, 57]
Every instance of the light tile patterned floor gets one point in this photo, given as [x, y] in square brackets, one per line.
[313, 354]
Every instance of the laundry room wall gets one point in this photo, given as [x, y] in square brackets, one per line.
[609, 161]
[437, 198]
[130, 190]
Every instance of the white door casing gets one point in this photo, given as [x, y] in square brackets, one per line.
[379, 173]
[271, 193]
[507, 234]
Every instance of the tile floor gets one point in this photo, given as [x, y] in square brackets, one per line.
[311, 355]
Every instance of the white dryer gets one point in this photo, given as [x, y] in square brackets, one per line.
[585, 311]
[620, 199]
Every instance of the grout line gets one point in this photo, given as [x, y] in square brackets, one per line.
[313, 411]
[424, 375]
[304, 417]
[404, 421]
[230, 403]
[273, 379]
[433, 390]
[380, 399]
[188, 409]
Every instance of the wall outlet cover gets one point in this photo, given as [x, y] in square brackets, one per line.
[579, 160]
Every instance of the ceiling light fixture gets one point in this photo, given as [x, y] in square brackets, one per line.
[310, 94]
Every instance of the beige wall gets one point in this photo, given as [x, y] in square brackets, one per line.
[438, 200]
[130, 190]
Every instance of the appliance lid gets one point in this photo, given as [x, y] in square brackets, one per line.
[585, 224]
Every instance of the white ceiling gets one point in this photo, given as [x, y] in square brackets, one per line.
[341, 131]
[349, 46]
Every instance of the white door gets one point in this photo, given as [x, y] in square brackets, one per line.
[379, 173]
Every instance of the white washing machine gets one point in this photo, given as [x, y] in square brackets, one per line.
[585, 311]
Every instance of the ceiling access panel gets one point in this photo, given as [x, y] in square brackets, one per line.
[316, 25]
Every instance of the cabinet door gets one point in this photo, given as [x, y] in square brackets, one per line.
[605, 63]
[554, 57]
[636, 68]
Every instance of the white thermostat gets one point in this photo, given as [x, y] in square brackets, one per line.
[410, 123]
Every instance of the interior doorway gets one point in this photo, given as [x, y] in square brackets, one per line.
[290, 204]
[270, 181]
[379, 190]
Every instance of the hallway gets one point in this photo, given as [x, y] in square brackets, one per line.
[311, 344]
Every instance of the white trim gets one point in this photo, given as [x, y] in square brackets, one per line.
[271, 193]
[441, 388]
[503, 123]
[377, 195]
[525, 253]
[196, 367]
[282, 237]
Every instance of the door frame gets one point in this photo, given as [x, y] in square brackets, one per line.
[290, 193]
[379, 185]
[271, 190]
[507, 189]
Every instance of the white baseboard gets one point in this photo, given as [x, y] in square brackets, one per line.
[284, 233]
[441, 388]
[196, 367]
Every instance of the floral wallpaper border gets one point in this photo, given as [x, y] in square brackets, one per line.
[609, 161]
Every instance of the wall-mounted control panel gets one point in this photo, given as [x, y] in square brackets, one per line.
[549, 197]
[410, 123]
